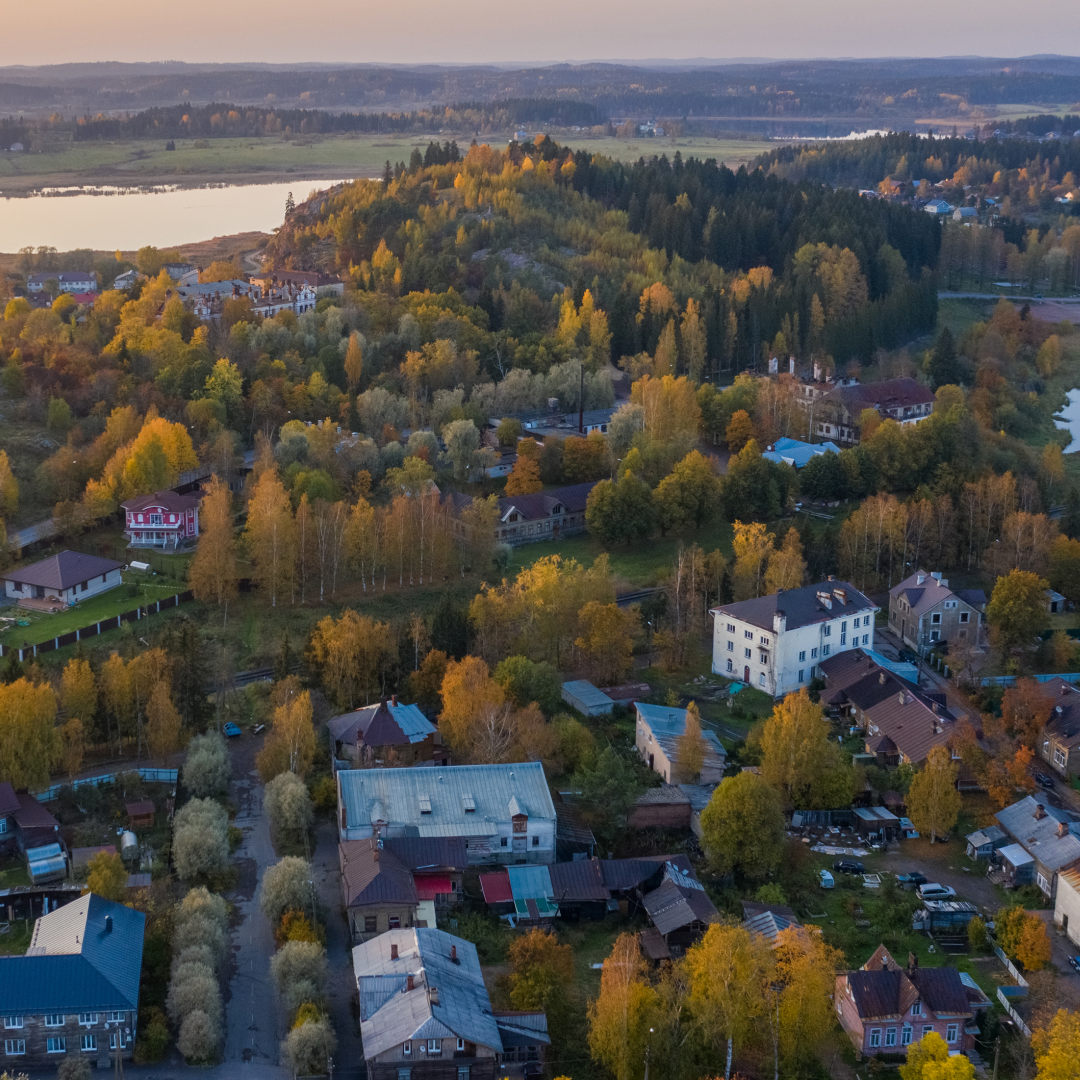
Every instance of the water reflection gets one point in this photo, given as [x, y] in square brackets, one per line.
[130, 218]
[1069, 420]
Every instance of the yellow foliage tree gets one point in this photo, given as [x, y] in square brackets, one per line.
[933, 801]
[79, 690]
[350, 652]
[108, 876]
[753, 544]
[607, 640]
[1055, 1046]
[786, 567]
[162, 723]
[74, 743]
[291, 744]
[524, 478]
[29, 741]
[690, 748]
[212, 573]
[270, 535]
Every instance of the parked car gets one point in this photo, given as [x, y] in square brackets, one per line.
[231, 730]
[934, 891]
[1044, 781]
[849, 866]
[1075, 962]
[827, 880]
[911, 881]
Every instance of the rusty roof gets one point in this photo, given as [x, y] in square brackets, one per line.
[374, 875]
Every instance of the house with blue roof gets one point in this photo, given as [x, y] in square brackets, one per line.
[76, 990]
[387, 734]
[659, 729]
[795, 453]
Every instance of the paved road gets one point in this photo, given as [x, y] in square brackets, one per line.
[349, 1059]
[1000, 296]
[253, 1017]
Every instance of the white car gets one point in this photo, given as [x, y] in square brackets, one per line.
[933, 891]
[827, 880]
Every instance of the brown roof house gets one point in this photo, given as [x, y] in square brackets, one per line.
[836, 413]
[924, 612]
[9, 807]
[387, 734]
[1059, 740]
[62, 579]
[885, 1008]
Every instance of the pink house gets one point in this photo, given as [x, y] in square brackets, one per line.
[885, 1008]
[162, 520]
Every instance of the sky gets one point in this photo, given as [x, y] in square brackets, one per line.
[486, 31]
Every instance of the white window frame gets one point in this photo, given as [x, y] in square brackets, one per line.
[801, 675]
[747, 653]
[1059, 757]
[813, 654]
[926, 1029]
[729, 666]
[56, 1044]
[731, 628]
[825, 650]
[905, 1035]
[935, 618]
[866, 620]
[731, 646]
[916, 1009]
[88, 1042]
[406, 1048]
[114, 1017]
[952, 1032]
[890, 1036]
[54, 1020]
[13, 1023]
[14, 1047]
[875, 1037]
[802, 656]
[434, 1046]
[88, 1019]
[866, 639]
[965, 616]
[461, 1044]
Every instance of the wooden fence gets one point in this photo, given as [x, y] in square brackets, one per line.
[114, 621]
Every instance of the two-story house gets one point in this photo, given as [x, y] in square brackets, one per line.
[164, 519]
[425, 1013]
[76, 991]
[835, 413]
[659, 729]
[1050, 835]
[385, 734]
[924, 612]
[776, 642]
[544, 515]
[68, 281]
[504, 813]
[62, 579]
[1059, 741]
[885, 1008]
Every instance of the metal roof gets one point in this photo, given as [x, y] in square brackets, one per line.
[589, 695]
[797, 453]
[532, 891]
[577, 881]
[394, 796]
[63, 570]
[1039, 836]
[448, 996]
[385, 724]
[76, 964]
[372, 875]
[767, 924]
[990, 835]
[1016, 855]
[420, 853]
[674, 905]
[802, 607]
[875, 813]
[496, 887]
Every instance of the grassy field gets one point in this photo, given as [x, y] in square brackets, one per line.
[137, 162]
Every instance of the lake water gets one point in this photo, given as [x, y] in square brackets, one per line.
[129, 219]
[1069, 420]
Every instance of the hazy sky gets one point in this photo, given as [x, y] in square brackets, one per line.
[419, 31]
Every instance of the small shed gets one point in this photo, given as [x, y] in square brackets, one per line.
[663, 807]
[1055, 602]
[46, 863]
[875, 822]
[1018, 866]
[138, 881]
[140, 814]
[586, 698]
[982, 843]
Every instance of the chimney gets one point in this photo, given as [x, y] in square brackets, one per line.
[108, 924]
[410, 983]
[900, 698]
[881, 679]
[912, 963]
[453, 953]
[1040, 811]
[393, 700]
[779, 622]
[393, 954]
[1064, 689]
[433, 995]
[884, 962]
[920, 578]
[375, 855]
[1062, 829]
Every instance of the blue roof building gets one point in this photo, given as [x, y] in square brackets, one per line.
[797, 454]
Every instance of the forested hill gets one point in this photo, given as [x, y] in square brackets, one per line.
[773, 265]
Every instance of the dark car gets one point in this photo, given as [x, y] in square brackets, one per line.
[848, 866]
[912, 880]
[1044, 781]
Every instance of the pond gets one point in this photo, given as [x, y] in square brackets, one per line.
[129, 218]
[1069, 420]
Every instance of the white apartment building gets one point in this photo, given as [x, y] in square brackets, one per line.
[774, 643]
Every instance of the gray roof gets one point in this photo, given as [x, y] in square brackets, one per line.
[74, 963]
[990, 835]
[390, 1013]
[803, 607]
[385, 724]
[768, 924]
[668, 724]
[923, 592]
[586, 693]
[63, 570]
[372, 875]
[1039, 835]
[402, 797]
[679, 901]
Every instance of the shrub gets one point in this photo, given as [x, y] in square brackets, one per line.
[200, 842]
[73, 1068]
[202, 902]
[300, 995]
[286, 885]
[287, 804]
[296, 926]
[199, 931]
[153, 1038]
[198, 1038]
[324, 795]
[307, 1046]
[208, 768]
[305, 1013]
[299, 961]
[194, 987]
[977, 938]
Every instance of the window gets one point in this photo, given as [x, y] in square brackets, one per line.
[88, 1042]
[935, 619]
[950, 1033]
[866, 620]
[731, 628]
[54, 1019]
[890, 1036]
[371, 924]
[395, 922]
[813, 654]
[406, 1048]
[731, 646]
[964, 616]
[56, 1045]
[843, 639]
[404, 1074]
[502, 841]
[866, 639]
[729, 667]
[114, 1017]
[801, 674]
[157, 519]
[763, 640]
[843, 627]
[746, 653]
[802, 656]
[935, 635]
[536, 841]
[1059, 757]
[87, 1019]
[875, 1036]
[1043, 883]
[434, 1046]
[926, 1029]
[905, 1035]
[13, 1022]
[461, 1044]
[14, 1046]
[761, 678]
[749, 634]
[827, 632]
[463, 1071]
[825, 650]
[916, 1009]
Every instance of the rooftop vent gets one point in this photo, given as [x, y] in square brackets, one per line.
[108, 924]
[433, 995]
[425, 804]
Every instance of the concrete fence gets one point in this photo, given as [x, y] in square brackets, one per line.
[1010, 680]
[151, 776]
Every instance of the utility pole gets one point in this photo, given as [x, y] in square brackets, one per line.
[648, 1050]
[581, 402]
[997, 1054]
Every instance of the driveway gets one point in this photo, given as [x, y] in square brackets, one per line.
[254, 1024]
[944, 863]
[349, 1059]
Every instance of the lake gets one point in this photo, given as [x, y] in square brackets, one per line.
[129, 219]
[1069, 420]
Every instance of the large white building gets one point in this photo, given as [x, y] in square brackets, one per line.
[775, 643]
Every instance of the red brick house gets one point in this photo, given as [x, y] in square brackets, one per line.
[162, 520]
[884, 1008]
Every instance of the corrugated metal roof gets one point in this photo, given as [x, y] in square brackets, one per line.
[1039, 836]
[32, 815]
[578, 881]
[768, 924]
[372, 875]
[668, 724]
[391, 1014]
[522, 1028]
[620, 875]
[424, 852]
[672, 906]
[530, 882]
[394, 794]
[496, 887]
[587, 694]
[385, 724]
[1016, 855]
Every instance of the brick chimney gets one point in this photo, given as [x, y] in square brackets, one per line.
[453, 953]
[393, 953]
[393, 700]
[1040, 811]
[1062, 829]
[410, 983]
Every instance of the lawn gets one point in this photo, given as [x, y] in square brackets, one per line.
[136, 591]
